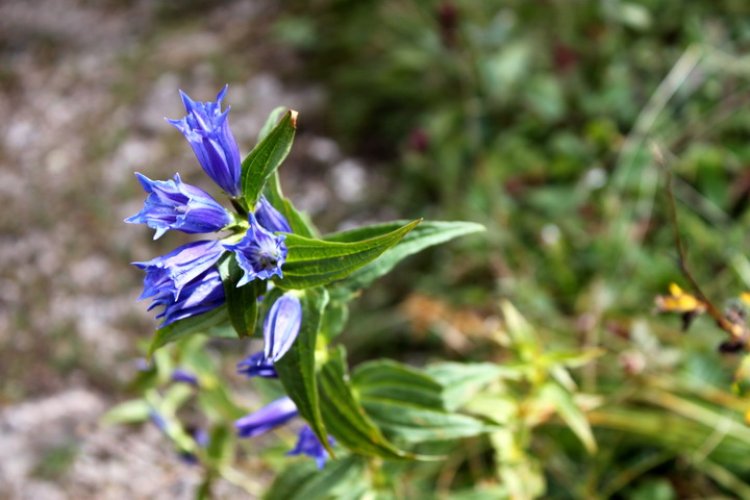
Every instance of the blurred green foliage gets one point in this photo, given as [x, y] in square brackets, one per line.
[537, 119]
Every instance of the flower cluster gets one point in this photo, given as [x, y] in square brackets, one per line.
[186, 281]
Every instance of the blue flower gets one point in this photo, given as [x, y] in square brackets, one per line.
[270, 416]
[203, 294]
[260, 253]
[173, 204]
[281, 326]
[270, 218]
[182, 375]
[257, 365]
[309, 444]
[170, 273]
[206, 128]
[185, 281]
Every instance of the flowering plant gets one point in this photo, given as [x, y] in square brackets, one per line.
[269, 271]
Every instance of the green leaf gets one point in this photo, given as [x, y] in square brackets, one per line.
[266, 157]
[429, 233]
[208, 323]
[166, 407]
[175, 398]
[273, 118]
[569, 411]
[345, 418]
[524, 338]
[461, 381]
[217, 404]
[408, 404]
[302, 481]
[296, 369]
[128, 412]
[385, 379]
[242, 302]
[299, 222]
[220, 449]
[334, 319]
[413, 424]
[312, 262]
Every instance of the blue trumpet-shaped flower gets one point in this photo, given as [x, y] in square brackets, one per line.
[201, 295]
[170, 273]
[270, 218]
[206, 128]
[281, 326]
[270, 416]
[173, 204]
[260, 254]
[257, 365]
[185, 281]
[309, 444]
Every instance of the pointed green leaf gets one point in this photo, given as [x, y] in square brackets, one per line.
[209, 323]
[345, 418]
[242, 302]
[175, 398]
[266, 157]
[217, 403]
[297, 368]
[334, 319]
[461, 381]
[407, 403]
[569, 411]
[385, 379]
[414, 424]
[299, 222]
[128, 412]
[273, 119]
[313, 262]
[343, 478]
[220, 449]
[429, 233]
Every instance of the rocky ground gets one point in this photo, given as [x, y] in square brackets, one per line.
[84, 89]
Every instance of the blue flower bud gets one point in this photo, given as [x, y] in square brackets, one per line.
[184, 376]
[270, 218]
[309, 444]
[173, 271]
[203, 294]
[257, 365]
[206, 128]
[260, 253]
[173, 204]
[281, 326]
[270, 416]
[185, 281]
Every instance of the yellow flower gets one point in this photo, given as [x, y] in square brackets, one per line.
[681, 302]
